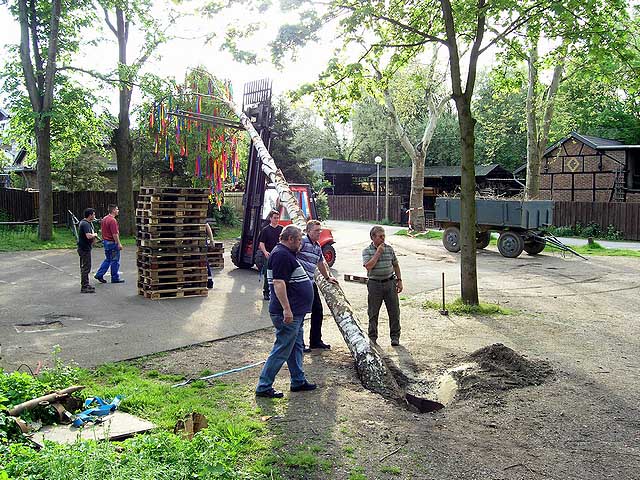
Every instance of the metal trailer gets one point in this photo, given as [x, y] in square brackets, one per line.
[521, 225]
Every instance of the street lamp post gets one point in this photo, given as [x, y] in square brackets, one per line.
[378, 161]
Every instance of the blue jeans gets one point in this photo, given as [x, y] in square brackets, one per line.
[288, 348]
[112, 259]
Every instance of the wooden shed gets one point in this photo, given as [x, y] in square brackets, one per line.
[583, 168]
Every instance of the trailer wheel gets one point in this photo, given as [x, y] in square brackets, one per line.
[451, 239]
[329, 255]
[510, 244]
[482, 240]
[533, 247]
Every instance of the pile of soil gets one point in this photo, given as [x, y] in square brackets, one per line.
[498, 368]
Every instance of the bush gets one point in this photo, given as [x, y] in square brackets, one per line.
[318, 184]
[225, 216]
[592, 229]
[322, 205]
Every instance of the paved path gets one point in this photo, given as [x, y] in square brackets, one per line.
[40, 303]
[41, 306]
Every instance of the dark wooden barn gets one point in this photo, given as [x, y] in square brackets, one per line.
[347, 178]
[491, 179]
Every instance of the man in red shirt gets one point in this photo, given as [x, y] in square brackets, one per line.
[112, 246]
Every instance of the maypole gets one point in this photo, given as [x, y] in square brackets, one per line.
[373, 372]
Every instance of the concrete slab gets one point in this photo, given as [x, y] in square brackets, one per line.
[117, 426]
[41, 306]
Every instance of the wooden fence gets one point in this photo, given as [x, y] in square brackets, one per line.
[20, 206]
[362, 208]
[625, 217]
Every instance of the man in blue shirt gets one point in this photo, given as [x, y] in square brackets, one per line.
[311, 258]
[291, 297]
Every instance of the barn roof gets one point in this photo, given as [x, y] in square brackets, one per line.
[438, 171]
[338, 167]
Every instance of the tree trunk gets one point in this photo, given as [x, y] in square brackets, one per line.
[532, 188]
[373, 372]
[416, 200]
[45, 196]
[538, 136]
[125, 167]
[123, 134]
[39, 82]
[466, 122]
[468, 271]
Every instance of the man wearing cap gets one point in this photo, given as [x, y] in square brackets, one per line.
[384, 284]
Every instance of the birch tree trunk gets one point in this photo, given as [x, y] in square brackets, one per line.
[418, 154]
[373, 372]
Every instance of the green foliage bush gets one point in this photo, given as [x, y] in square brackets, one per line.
[17, 387]
[592, 229]
[322, 199]
[225, 216]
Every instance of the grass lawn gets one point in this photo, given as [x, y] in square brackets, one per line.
[25, 237]
[235, 445]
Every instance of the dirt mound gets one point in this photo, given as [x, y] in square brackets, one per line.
[497, 368]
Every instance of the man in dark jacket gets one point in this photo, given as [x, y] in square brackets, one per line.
[86, 238]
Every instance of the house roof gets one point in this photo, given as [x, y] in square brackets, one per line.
[597, 143]
[337, 167]
[446, 171]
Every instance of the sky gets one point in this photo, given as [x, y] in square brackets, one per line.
[177, 56]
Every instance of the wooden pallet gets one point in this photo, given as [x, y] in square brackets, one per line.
[168, 220]
[172, 191]
[176, 234]
[174, 197]
[355, 278]
[174, 206]
[172, 250]
[168, 212]
[173, 293]
[149, 284]
[160, 276]
[171, 242]
[195, 228]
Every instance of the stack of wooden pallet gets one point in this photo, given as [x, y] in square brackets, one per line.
[172, 255]
[215, 254]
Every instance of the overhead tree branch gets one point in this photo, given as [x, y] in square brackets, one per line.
[25, 57]
[47, 100]
[108, 21]
[36, 48]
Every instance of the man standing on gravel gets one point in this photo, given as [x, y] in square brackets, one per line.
[311, 258]
[86, 238]
[384, 285]
[291, 299]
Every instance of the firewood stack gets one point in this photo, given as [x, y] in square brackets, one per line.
[172, 254]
